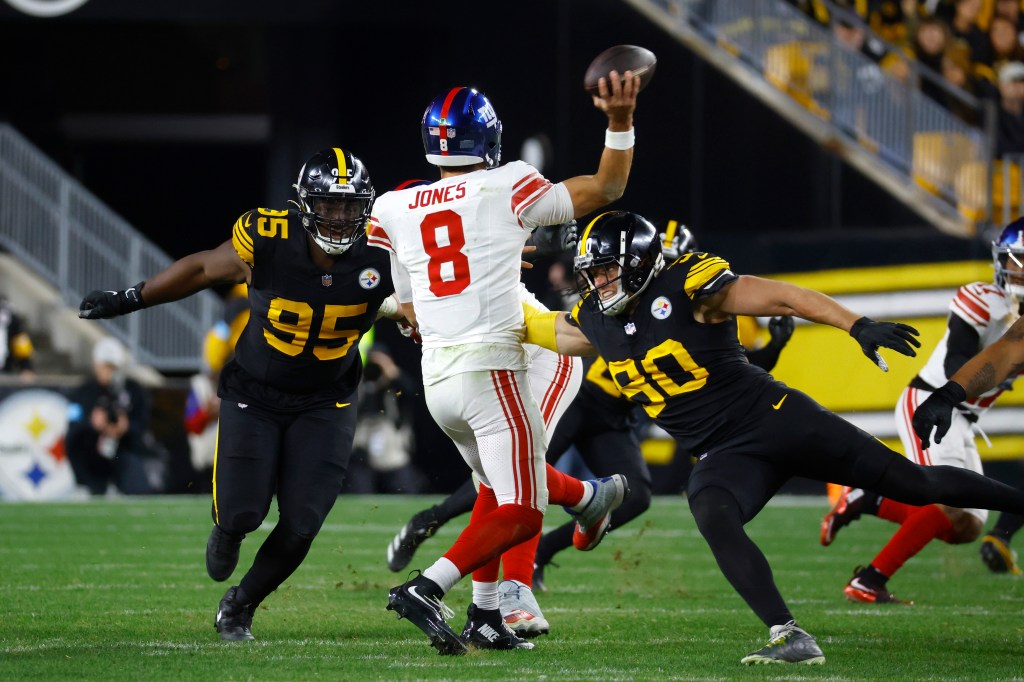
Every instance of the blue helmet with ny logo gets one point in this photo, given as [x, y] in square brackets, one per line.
[461, 128]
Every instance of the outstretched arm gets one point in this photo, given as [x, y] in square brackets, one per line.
[765, 297]
[617, 99]
[1003, 360]
[180, 279]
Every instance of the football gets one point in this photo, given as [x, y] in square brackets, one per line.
[621, 58]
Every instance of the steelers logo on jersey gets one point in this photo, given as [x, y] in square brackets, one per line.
[369, 278]
[661, 308]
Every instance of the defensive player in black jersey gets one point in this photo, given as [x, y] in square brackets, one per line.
[287, 413]
[669, 336]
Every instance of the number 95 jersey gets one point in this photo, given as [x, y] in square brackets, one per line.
[691, 377]
[305, 322]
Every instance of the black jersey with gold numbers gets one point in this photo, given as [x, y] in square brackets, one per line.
[691, 377]
[305, 322]
[603, 395]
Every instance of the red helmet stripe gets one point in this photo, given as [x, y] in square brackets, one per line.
[444, 114]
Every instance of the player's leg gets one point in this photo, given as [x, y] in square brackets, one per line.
[315, 452]
[495, 422]
[921, 525]
[425, 523]
[604, 452]
[244, 479]
[725, 492]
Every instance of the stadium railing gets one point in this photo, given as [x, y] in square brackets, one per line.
[56, 227]
[919, 150]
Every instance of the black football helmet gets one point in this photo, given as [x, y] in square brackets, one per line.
[335, 199]
[625, 240]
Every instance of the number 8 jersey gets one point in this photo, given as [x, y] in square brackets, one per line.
[456, 248]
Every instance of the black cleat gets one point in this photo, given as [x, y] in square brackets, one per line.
[846, 510]
[403, 546]
[998, 556]
[222, 553]
[234, 619]
[419, 600]
[486, 630]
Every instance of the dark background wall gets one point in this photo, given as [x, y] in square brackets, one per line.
[253, 87]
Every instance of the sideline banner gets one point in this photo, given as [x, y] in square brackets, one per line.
[33, 464]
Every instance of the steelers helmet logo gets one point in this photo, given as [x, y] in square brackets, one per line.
[661, 308]
[369, 278]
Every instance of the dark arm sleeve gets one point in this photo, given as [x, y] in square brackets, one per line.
[961, 346]
[765, 358]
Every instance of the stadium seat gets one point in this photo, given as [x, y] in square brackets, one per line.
[972, 184]
[937, 156]
[794, 67]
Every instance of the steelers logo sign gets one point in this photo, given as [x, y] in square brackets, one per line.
[661, 308]
[369, 278]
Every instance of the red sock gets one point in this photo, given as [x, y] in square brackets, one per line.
[894, 511]
[563, 489]
[491, 531]
[518, 561]
[920, 528]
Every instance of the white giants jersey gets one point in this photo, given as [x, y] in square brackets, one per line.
[456, 251]
[990, 312]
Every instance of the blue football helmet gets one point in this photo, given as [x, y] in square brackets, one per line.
[1009, 246]
[461, 128]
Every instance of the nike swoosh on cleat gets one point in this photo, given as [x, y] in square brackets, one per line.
[777, 405]
[414, 593]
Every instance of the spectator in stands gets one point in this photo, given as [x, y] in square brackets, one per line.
[381, 449]
[1010, 9]
[956, 70]
[15, 345]
[1006, 47]
[931, 40]
[964, 26]
[1010, 120]
[108, 426]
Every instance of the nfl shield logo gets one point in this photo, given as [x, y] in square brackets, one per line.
[327, 280]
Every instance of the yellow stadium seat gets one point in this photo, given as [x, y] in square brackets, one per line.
[972, 186]
[791, 67]
[938, 156]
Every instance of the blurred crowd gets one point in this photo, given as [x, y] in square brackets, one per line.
[955, 46]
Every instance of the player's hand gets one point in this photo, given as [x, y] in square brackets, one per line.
[408, 330]
[895, 336]
[617, 96]
[555, 240]
[106, 304]
[780, 330]
[937, 412]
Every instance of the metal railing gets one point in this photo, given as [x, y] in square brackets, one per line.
[905, 130]
[65, 234]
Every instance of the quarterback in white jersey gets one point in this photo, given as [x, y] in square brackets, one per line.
[455, 250]
[980, 314]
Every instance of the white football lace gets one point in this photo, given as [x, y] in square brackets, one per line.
[442, 608]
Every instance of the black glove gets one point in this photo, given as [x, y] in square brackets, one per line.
[937, 411]
[102, 304]
[895, 336]
[555, 240]
[780, 330]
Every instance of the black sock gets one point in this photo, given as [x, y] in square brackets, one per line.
[456, 504]
[1007, 525]
[872, 577]
[278, 557]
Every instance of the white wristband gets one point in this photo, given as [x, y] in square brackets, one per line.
[388, 308]
[620, 141]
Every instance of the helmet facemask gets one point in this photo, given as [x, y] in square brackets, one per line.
[1009, 265]
[335, 223]
[610, 283]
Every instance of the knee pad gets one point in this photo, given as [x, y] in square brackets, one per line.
[240, 523]
[713, 507]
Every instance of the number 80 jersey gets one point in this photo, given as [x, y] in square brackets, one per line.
[459, 242]
[691, 377]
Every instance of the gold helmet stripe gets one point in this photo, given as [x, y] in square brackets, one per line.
[582, 247]
[670, 232]
[342, 166]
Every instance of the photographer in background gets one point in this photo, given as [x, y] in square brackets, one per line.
[108, 422]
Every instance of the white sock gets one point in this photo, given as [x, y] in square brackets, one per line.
[444, 573]
[485, 595]
[588, 495]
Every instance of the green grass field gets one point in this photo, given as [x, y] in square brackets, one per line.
[117, 590]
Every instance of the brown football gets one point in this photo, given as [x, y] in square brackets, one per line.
[621, 58]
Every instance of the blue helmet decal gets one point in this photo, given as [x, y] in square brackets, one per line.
[1009, 246]
[460, 128]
